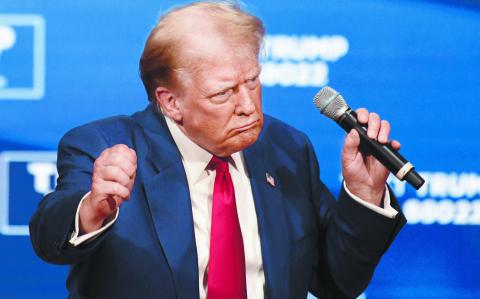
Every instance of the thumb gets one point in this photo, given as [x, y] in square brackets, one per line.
[350, 148]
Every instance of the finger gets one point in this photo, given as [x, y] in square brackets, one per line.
[112, 189]
[131, 182]
[384, 131]
[373, 125]
[119, 160]
[115, 161]
[120, 147]
[395, 144]
[124, 150]
[133, 155]
[114, 174]
[362, 115]
[114, 202]
[350, 148]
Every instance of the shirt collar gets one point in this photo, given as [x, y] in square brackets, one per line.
[195, 159]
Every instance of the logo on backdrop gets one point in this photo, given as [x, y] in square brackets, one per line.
[22, 57]
[25, 177]
[446, 198]
[300, 60]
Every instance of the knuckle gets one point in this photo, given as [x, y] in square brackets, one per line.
[105, 152]
[117, 188]
[114, 171]
[98, 163]
[118, 174]
[124, 180]
[121, 148]
[134, 153]
[96, 179]
[130, 184]
[126, 157]
[116, 159]
[122, 191]
[362, 115]
[97, 190]
[95, 187]
[131, 170]
[362, 110]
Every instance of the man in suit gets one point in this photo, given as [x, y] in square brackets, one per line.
[201, 195]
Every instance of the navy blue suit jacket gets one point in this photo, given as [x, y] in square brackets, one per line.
[309, 241]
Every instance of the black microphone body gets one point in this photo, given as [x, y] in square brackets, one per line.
[384, 153]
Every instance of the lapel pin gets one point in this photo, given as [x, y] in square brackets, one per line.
[270, 179]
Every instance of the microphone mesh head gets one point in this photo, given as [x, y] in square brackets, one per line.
[330, 103]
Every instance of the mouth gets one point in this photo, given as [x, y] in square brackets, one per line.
[247, 126]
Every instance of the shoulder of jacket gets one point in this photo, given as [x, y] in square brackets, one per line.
[280, 132]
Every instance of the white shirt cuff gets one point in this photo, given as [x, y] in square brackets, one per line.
[75, 239]
[387, 210]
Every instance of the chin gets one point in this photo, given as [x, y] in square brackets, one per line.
[240, 142]
[237, 143]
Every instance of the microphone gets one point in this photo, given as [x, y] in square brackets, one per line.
[333, 105]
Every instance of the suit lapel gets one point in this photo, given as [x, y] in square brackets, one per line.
[166, 189]
[272, 223]
[167, 193]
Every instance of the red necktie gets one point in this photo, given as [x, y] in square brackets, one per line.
[226, 267]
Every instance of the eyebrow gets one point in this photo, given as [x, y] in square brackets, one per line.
[256, 74]
[230, 84]
[211, 93]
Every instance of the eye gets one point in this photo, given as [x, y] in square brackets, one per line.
[253, 82]
[222, 93]
[221, 96]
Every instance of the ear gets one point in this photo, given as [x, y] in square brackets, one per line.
[168, 103]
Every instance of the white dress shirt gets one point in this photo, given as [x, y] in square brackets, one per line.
[200, 182]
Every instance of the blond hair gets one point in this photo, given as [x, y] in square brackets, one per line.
[163, 55]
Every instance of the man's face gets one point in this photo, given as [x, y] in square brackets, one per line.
[221, 102]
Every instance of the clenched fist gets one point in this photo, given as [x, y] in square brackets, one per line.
[113, 177]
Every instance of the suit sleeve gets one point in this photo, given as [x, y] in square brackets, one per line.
[53, 222]
[352, 239]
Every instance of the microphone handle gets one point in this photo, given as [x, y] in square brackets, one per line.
[384, 153]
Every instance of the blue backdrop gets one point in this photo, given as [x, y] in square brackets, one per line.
[414, 62]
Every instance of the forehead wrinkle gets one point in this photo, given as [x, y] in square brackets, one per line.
[211, 84]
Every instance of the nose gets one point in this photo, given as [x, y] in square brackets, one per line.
[245, 101]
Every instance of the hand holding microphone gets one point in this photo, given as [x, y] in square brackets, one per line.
[364, 175]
